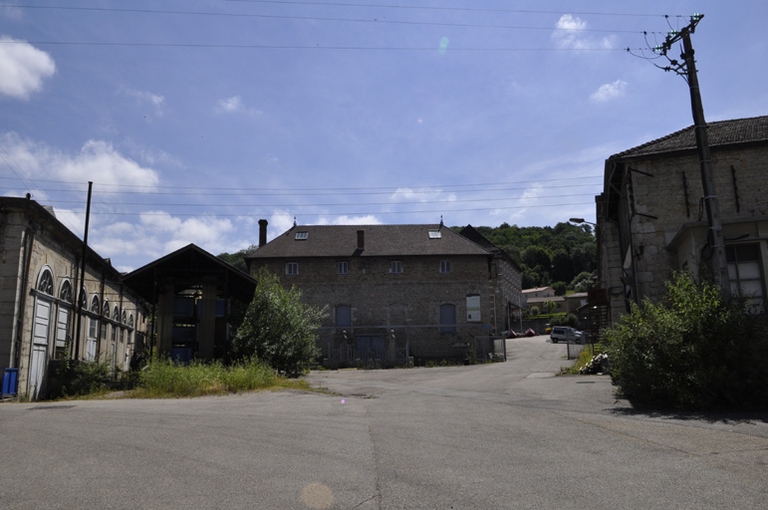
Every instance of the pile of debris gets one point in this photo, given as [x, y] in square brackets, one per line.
[597, 365]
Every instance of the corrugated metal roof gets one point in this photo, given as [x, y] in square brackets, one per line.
[727, 132]
[379, 241]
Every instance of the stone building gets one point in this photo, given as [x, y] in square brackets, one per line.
[395, 292]
[651, 219]
[42, 314]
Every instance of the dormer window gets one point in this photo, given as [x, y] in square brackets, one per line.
[302, 236]
[435, 234]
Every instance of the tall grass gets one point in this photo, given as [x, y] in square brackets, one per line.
[164, 378]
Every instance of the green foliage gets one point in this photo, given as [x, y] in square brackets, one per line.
[582, 282]
[237, 259]
[80, 378]
[164, 378]
[565, 319]
[278, 328]
[694, 351]
[547, 254]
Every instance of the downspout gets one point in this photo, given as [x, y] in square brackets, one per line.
[25, 259]
[76, 354]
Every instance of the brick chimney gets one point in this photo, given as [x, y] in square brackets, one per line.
[263, 232]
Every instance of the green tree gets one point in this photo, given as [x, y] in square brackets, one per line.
[237, 259]
[278, 328]
[582, 282]
[694, 351]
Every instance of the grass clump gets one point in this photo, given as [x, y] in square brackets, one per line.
[162, 378]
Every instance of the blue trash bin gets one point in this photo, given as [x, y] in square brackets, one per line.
[10, 382]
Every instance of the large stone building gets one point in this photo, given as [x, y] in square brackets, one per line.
[42, 314]
[395, 291]
[651, 219]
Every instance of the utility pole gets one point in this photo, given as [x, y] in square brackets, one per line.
[687, 69]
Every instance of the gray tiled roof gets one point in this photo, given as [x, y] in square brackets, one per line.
[379, 241]
[727, 132]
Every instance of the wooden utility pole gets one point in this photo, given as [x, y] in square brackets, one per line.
[687, 69]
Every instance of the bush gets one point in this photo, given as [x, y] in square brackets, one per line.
[693, 351]
[79, 378]
[278, 328]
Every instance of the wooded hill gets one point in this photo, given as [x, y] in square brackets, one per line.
[563, 256]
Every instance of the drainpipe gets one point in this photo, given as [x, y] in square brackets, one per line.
[25, 259]
[76, 354]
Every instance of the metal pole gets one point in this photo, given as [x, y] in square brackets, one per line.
[76, 354]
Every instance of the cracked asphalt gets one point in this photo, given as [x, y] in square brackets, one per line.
[499, 436]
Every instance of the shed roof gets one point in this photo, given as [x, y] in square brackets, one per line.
[191, 263]
[378, 241]
[721, 133]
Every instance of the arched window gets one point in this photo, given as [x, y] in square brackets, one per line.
[105, 311]
[116, 314]
[130, 321]
[83, 302]
[124, 319]
[66, 292]
[45, 283]
[95, 307]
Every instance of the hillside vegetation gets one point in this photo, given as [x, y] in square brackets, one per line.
[563, 256]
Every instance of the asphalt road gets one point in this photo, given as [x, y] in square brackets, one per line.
[499, 436]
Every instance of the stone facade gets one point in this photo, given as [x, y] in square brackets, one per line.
[38, 299]
[651, 217]
[392, 291]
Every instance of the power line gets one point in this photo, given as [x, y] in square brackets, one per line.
[414, 188]
[317, 18]
[433, 8]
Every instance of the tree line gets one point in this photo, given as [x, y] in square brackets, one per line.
[563, 257]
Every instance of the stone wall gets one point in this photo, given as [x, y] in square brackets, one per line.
[405, 306]
[664, 194]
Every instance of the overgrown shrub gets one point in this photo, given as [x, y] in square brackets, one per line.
[278, 328]
[693, 351]
[79, 378]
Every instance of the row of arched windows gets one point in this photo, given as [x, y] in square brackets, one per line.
[100, 316]
[45, 285]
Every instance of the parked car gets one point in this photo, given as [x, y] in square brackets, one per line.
[561, 333]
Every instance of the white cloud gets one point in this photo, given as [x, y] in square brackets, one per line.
[570, 34]
[97, 161]
[369, 219]
[142, 97]
[235, 104]
[422, 195]
[609, 91]
[158, 233]
[11, 12]
[22, 68]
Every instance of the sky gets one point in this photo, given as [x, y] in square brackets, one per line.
[193, 119]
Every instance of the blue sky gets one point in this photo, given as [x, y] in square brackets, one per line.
[196, 118]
